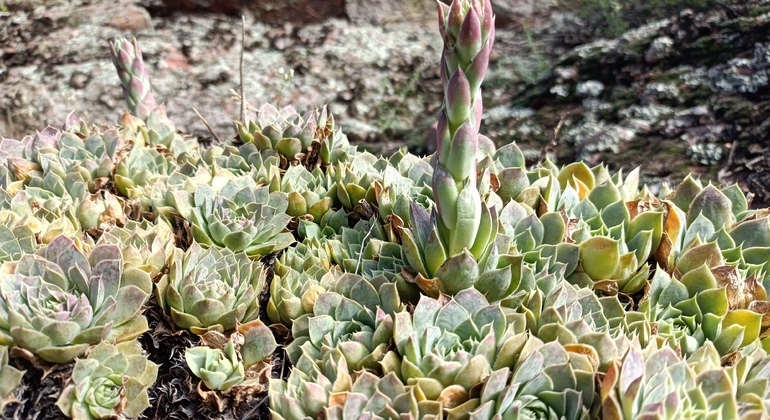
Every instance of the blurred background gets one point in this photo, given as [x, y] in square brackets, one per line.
[678, 86]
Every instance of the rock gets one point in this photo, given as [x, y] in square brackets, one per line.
[381, 13]
[659, 49]
[681, 95]
[687, 93]
[517, 10]
[589, 89]
[295, 11]
[131, 18]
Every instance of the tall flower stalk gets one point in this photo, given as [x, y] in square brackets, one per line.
[456, 238]
[467, 27]
[134, 77]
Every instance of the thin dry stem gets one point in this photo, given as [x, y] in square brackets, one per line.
[211, 130]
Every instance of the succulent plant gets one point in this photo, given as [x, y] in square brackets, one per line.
[301, 274]
[547, 381]
[249, 219]
[146, 247]
[101, 211]
[658, 383]
[462, 285]
[364, 250]
[449, 349]
[158, 132]
[311, 139]
[134, 77]
[705, 304]
[352, 182]
[284, 131]
[307, 390]
[559, 311]
[142, 167]
[17, 235]
[405, 178]
[334, 144]
[462, 222]
[60, 300]
[225, 156]
[211, 289]
[510, 171]
[11, 151]
[221, 369]
[354, 316]
[307, 192]
[112, 381]
[48, 216]
[57, 149]
[245, 160]
[328, 227]
[73, 178]
[10, 377]
[387, 397]
[722, 216]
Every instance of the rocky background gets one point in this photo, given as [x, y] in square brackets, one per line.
[678, 86]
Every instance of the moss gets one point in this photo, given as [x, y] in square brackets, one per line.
[696, 95]
[759, 10]
[737, 110]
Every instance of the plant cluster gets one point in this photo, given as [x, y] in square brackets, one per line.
[460, 285]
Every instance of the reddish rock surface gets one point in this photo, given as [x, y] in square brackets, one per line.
[295, 11]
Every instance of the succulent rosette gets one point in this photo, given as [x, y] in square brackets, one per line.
[301, 274]
[355, 316]
[142, 167]
[547, 381]
[11, 156]
[703, 305]
[101, 211]
[57, 151]
[615, 227]
[311, 139]
[387, 397]
[146, 248]
[158, 132]
[307, 390]
[243, 219]
[245, 159]
[225, 156]
[60, 300]
[47, 215]
[112, 381]
[352, 182]
[334, 144]
[722, 216]
[17, 235]
[559, 311]
[405, 178]
[364, 250]
[510, 171]
[659, 383]
[219, 369]
[283, 130]
[72, 178]
[307, 192]
[222, 368]
[211, 289]
[328, 227]
[448, 349]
